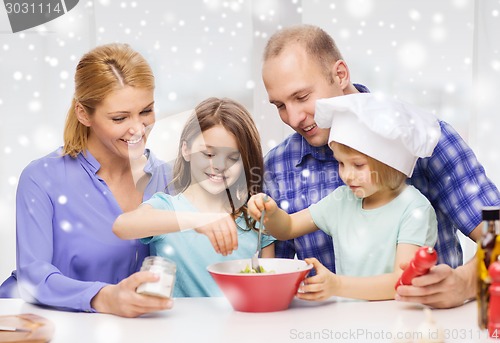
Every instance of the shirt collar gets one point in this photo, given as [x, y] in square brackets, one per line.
[89, 161]
[361, 88]
[322, 153]
[150, 163]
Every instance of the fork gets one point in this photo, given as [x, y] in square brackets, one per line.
[255, 258]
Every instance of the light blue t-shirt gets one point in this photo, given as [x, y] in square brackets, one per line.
[365, 240]
[192, 252]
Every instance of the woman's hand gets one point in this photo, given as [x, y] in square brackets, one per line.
[122, 300]
[320, 286]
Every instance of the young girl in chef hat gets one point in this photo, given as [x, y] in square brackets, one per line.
[376, 220]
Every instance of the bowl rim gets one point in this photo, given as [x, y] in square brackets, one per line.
[307, 267]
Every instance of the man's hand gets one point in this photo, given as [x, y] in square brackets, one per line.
[442, 287]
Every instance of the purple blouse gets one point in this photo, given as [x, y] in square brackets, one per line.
[66, 250]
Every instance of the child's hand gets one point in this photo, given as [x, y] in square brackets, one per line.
[222, 233]
[258, 202]
[320, 286]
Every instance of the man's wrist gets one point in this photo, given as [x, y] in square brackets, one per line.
[468, 274]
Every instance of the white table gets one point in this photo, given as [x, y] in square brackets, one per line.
[213, 320]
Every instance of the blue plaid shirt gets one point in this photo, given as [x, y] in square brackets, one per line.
[298, 175]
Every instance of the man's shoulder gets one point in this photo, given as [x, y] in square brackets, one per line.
[449, 146]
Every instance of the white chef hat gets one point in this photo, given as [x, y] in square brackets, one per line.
[390, 131]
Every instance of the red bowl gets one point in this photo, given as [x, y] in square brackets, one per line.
[260, 292]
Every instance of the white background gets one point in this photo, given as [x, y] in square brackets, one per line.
[442, 55]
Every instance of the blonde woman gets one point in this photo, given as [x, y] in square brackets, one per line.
[67, 201]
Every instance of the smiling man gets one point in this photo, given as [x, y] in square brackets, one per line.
[301, 65]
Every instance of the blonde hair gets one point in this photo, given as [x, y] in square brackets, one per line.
[105, 69]
[238, 121]
[318, 44]
[381, 173]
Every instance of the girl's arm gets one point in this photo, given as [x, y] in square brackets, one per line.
[326, 284]
[278, 223]
[146, 221]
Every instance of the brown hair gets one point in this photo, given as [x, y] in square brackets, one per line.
[317, 43]
[381, 173]
[101, 71]
[238, 121]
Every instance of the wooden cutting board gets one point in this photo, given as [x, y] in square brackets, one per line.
[41, 329]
